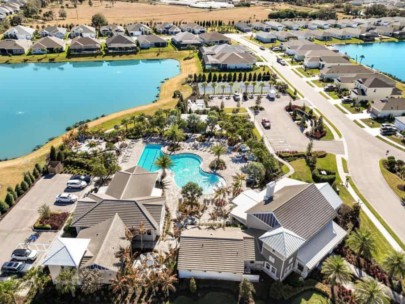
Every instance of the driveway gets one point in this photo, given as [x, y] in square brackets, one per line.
[16, 226]
[364, 151]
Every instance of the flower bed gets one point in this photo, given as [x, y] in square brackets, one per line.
[316, 134]
[344, 296]
[318, 177]
[54, 222]
[293, 155]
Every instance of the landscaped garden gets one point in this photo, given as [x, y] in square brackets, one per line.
[393, 171]
[50, 220]
[356, 107]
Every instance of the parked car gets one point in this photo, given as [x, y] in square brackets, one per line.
[237, 97]
[76, 184]
[12, 267]
[86, 178]
[388, 131]
[262, 48]
[347, 100]
[24, 255]
[329, 88]
[276, 49]
[66, 198]
[266, 123]
[387, 125]
[281, 61]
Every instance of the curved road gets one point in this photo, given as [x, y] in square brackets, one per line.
[363, 150]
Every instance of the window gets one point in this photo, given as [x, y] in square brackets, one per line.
[267, 265]
[300, 267]
[149, 232]
[271, 259]
[273, 270]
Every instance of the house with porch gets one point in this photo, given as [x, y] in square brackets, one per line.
[192, 28]
[19, 32]
[277, 26]
[138, 29]
[243, 27]
[112, 30]
[83, 31]
[388, 107]
[48, 45]
[336, 71]
[266, 37]
[151, 41]
[167, 29]
[259, 26]
[84, 45]
[54, 31]
[14, 47]
[373, 88]
[214, 38]
[291, 25]
[121, 44]
[186, 40]
[227, 57]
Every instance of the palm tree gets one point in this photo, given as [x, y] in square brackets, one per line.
[66, 281]
[90, 280]
[223, 89]
[8, 288]
[394, 264]
[204, 85]
[220, 195]
[262, 85]
[246, 86]
[37, 279]
[246, 291]
[167, 281]
[231, 86]
[214, 85]
[164, 162]
[361, 58]
[238, 180]
[174, 133]
[141, 230]
[369, 291]
[362, 243]
[336, 270]
[254, 85]
[218, 150]
[125, 122]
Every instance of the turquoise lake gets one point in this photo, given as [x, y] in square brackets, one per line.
[39, 100]
[387, 57]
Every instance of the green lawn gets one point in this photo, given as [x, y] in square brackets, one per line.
[380, 137]
[338, 41]
[331, 124]
[242, 110]
[340, 109]
[295, 71]
[345, 166]
[358, 123]
[319, 83]
[310, 297]
[285, 169]
[302, 172]
[397, 139]
[308, 72]
[392, 180]
[333, 95]
[351, 109]
[371, 122]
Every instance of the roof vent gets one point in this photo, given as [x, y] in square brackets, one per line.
[270, 191]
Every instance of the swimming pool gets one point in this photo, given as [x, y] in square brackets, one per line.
[186, 168]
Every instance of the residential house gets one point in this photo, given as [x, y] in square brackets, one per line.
[337, 71]
[243, 27]
[266, 37]
[293, 226]
[345, 34]
[19, 32]
[384, 30]
[85, 45]
[321, 24]
[301, 51]
[291, 25]
[347, 82]
[322, 35]
[311, 25]
[112, 30]
[289, 47]
[284, 36]
[277, 26]
[192, 28]
[213, 38]
[185, 40]
[259, 26]
[96, 247]
[14, 47]
[227, 57]
[83, 31]
[372, 88]
[138, 29]
[133, 195]
[302, 34]
[319, 59]
[48, 45]
[368, 37]
[400, 123]
[399, 34]
[167, 29]
[120, 44]
[328, 61]
[216, 254]
[151, 41]
[54, 31]
[388, 107]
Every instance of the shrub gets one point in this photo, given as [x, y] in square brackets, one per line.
[3, 207]
[12, 192]
[318, 177]
[193, 285]
[32, 178]
[217, 164]
[40, 226]
[27, 180]
[24, 186]
[35, 173]
[9, 199]
[19, 190]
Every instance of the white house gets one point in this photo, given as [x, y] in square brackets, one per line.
[83, 31]
[138, 29]
[266, 37]
[276, 25]
[54, 31]
[20, 32]
[372, 88]
[400, 123]
[388, 107]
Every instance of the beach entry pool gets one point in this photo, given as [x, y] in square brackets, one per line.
[39, 100]
[186, 168]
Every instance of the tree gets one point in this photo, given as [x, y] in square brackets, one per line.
[191, 192]
[394, 264]
[193, 285]
[164, 162]
[31, 8]
[9, 200]
[24, 186]
[8, 288]
[192, 121]
[238, 180]
[212, 119]
[361, 58]
[98, 170]
[12, 192]
[125, 123]
[37, 279]
[16, 20]
[98, 20]
[44, 211]
[66, 281]
[3, 207]
[362, 243]
[18, 190]
[336, 270]
[62, 13]
[174, 134]
[246, 291]
[370, 291]
[262, 85]
[52, 154]
[167, 281]
[90, 280]
[218, 150]
[204, 85]
[256, 171]
[220, 195]
[90, 3]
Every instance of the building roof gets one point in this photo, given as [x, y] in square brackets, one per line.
[137, 27]
[66, 252]
[120, 41]
[375, 82]
[150, 39]
[84, 29]
[186, 38]
[20, 30]
[49, 42]
[220, 250]
[335, 59]
[268, 35]
[302, 209]
[106, 239]
[12, 44]
[389, 104]
[53, 29]
[282, 240]
[345, 69]
[214, 36]
[132, 183]
[85, 42]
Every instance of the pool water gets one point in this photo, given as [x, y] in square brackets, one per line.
[186, 168]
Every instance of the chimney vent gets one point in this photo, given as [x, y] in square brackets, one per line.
[270, 191]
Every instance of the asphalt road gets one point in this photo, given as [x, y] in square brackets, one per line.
[363, 150]
[17, 225]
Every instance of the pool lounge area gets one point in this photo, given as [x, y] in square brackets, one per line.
[186, 168]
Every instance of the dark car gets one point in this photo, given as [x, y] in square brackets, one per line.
[330, 88]
[266, 123]
[12, 267]
[388, 131]
[85, 178]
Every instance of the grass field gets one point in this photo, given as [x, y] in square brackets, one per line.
[319, 83]
[345, 166]
[308, 72]
[11, 172]
[358, 123]
[338, 41]
[392, 180]
[371, 122]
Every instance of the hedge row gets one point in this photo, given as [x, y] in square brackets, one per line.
[321, 178]
[294, 155]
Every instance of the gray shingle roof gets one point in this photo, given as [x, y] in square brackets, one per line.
[49, 42]
[120, 41]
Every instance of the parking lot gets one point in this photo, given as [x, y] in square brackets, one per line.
[17, 225]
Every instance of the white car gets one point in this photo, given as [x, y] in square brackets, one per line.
[66, 198]
[76, 184]
[24, 255]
